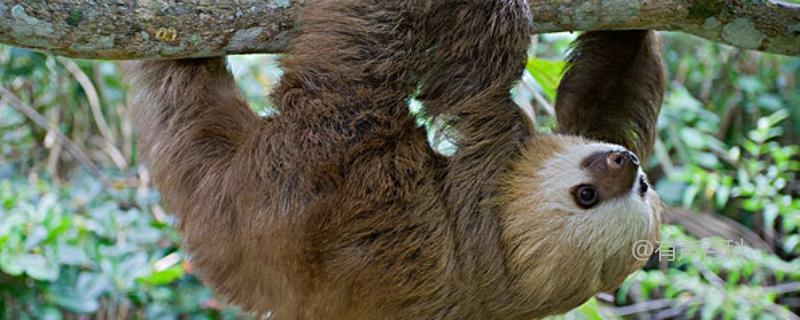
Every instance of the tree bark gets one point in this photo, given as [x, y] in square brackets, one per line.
[119, 29]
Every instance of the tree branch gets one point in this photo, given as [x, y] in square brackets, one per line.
[107, 29]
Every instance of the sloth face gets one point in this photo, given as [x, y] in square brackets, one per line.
[593, 178]
[582, 204]
[570, 176]
[599, 192]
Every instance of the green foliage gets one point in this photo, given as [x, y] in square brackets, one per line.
[69, 243]
[590, 310]
[91, 113]
[89, 249]
[713, 278]
[733, 149]
[754, 175]
[547, 74]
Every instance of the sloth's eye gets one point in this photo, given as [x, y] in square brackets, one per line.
[585, 196]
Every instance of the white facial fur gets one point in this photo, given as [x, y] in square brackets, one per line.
[612, 223]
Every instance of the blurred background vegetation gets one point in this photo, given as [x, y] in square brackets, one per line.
[82, 233]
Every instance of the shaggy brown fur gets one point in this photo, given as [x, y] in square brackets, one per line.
[609, 72]
[337, 207]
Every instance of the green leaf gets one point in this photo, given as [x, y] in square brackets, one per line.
[721, 196]
[770, 214]
[670, 191]
[791, 243]
[547, 74]
[72, 255]
[50, 313]
[590, 310]
[711, 307]
[38, 267]
[750, 84]
[162, 277]
[689, 195]
[10, 264]
[35, 236]
[77, 303]
[57, 229]
[775, 118]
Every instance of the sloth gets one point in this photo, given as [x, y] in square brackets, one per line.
[338, 207]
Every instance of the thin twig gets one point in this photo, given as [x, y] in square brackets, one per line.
[39, 120]
[677, 309]
[642, 307]
[55, 149]
[788, 315]
[709, 275]
[783, 288]
[94, 105]
[527, 79]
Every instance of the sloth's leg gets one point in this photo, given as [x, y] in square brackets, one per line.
[190, 119]
[197, 136]
[346, 81]
[341, 101]
[612, 89]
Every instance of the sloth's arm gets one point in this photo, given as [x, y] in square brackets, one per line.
[613, 88]
[467, 75]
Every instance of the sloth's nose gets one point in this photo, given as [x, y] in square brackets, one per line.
[623, 165]
[614, 171]
[622, 160]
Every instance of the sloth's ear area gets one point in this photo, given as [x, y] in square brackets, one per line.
[612, 89]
